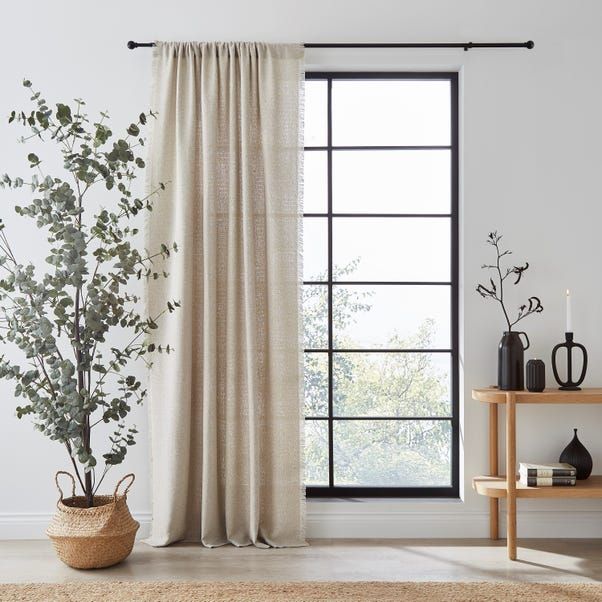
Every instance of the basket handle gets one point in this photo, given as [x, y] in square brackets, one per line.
[125, 492]
[56, 480]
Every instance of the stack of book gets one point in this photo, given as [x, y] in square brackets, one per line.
[547, 475]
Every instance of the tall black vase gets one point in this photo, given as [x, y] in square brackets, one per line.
[577, 455]
[511, 362]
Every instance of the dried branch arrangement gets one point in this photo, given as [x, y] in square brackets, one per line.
[495, 288]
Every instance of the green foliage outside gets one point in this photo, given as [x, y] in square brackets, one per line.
[377, 453]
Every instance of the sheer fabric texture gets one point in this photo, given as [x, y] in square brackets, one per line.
[225, 406]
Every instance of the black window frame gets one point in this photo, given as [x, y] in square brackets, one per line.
[333, 490]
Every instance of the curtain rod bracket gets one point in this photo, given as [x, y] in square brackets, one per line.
[133, 45]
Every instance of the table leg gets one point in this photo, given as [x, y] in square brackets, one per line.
[511, 474]
[494, 503]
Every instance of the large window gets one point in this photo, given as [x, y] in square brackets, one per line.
[381, 277]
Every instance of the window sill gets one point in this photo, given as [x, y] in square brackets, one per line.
[388, 500]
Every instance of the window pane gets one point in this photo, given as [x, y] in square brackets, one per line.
[316, 384]
[315, 182]
[404, 453]
[391, 317]
[316, 452]
[316, 113]
[315, 249]
[390, 249]
[392, 384]
[389, 112]
[315, 316]
[381, 181]
[410, 449]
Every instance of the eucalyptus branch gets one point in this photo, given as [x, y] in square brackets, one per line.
[43, 367]
[6, 247]
[145, 202]
[125, 350]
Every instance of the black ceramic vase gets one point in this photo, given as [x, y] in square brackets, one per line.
[576, 455]
[536, 376]
[511, 362]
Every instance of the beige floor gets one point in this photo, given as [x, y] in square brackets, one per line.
[325, 560]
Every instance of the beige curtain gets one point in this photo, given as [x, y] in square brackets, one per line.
[225, 406]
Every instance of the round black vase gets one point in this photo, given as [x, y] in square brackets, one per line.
[536, 376]
[577, 455]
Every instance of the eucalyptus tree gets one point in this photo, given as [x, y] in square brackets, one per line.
[70, 372]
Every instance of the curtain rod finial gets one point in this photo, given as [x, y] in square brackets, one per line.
[530, 44]
[132, 45]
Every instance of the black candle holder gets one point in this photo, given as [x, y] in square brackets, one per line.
[569, 384]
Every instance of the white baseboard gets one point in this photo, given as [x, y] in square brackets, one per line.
[377, 525]
[33, 526]
[430, 525]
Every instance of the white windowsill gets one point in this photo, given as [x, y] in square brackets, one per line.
[388, 500]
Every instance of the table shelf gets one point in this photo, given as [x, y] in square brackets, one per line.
[494, 395]
[496, 487]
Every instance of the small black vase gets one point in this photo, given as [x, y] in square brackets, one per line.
[536, 376]
[576, 455]
[511, 362]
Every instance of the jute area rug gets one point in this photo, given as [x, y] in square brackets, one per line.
[300, 592]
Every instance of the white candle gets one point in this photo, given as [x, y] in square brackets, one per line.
[569, 312]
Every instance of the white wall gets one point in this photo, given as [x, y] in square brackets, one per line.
[531, 131]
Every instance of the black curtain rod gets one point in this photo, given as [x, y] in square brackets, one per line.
[465, 45]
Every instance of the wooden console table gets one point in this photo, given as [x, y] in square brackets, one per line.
[495, 486]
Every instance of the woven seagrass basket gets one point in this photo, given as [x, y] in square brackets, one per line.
[97, 537]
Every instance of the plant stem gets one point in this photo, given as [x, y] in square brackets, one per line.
[501, 299]
[104, 474]
[80, 386]
[89, 488]
[68, 445]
